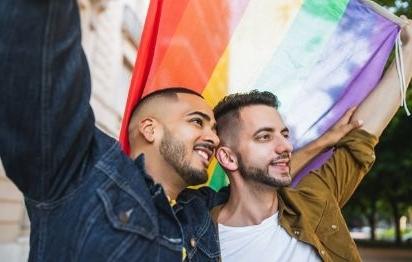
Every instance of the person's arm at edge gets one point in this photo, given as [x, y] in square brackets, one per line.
[47, 124]
[381, 105]
[358, 147]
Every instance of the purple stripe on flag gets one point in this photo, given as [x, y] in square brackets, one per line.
[363, 78]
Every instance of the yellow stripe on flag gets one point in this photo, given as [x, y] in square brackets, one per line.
[241, 64]
[217, 86]
[210, 171]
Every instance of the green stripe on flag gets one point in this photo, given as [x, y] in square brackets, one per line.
[219, 179]
[304, 44]
[329, 10]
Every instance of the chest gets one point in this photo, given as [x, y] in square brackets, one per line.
[111, 217]
[267, 241]
[319, 223]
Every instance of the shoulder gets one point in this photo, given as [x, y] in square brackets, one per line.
[360, 145]
[203, 195]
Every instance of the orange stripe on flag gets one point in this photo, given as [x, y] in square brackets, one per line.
[198, 43]
[171, 15]
[181, 44]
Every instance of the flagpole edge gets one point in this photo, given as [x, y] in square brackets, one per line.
[385, 12]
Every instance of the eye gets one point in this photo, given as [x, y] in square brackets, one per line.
[286, 135]
[264, 137]
[197, 121]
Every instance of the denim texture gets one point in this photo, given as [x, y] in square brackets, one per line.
[87, 200]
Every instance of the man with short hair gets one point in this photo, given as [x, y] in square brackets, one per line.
[266, 220]
[86, 199]
[179, 143]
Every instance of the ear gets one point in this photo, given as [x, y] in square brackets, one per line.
[227, 158]
[147, 129]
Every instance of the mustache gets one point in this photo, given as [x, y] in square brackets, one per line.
[282, 156]
[206, 145]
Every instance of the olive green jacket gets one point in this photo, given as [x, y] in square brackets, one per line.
[311, 212]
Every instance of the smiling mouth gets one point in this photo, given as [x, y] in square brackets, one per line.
[283, 163]
[205, 152]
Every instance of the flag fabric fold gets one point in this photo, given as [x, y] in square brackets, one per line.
[319, 57]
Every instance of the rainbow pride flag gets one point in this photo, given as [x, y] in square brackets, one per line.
[319, 57]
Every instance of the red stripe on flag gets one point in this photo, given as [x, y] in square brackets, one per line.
[145, 57]
[164, 62]
[171, 14]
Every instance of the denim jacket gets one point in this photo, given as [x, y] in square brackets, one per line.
[87, 201]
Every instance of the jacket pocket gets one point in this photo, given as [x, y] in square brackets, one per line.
[117, 227]
[125, 211]
[334, 235]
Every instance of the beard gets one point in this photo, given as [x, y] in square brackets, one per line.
[261, 176]
[174, 152]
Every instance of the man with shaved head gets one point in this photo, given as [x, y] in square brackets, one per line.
[179, 143]
[86, 199]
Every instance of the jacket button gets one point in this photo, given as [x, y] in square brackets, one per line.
[322, 252]
[334, 227]
[193, 242]
[296, 232]
[124, 216]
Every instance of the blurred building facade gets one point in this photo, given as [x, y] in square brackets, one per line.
[111, 31]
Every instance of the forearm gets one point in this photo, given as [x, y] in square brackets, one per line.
[46, 121]
[351, 160]
[302, 157]
[381, 105]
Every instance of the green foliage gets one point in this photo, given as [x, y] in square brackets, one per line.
[401, 7]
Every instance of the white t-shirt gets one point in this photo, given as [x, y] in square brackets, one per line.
[267, 241]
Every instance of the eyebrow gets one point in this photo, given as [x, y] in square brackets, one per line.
[203, 115]
[285, 129]
[270, 129]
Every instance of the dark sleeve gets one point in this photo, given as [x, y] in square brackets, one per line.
[46, 123]
[207, 195]
[341, 174]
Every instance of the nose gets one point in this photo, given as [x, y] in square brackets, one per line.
[283, 146]
[211, 137]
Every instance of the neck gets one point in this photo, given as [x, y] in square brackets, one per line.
[249, 203]
[164, 174]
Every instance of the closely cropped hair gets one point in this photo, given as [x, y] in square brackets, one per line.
[237, 101]
[227, 112]
[170, 92]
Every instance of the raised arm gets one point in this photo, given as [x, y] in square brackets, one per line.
[46, 123]
[301, 157]
[354, 153]
[381, 105]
